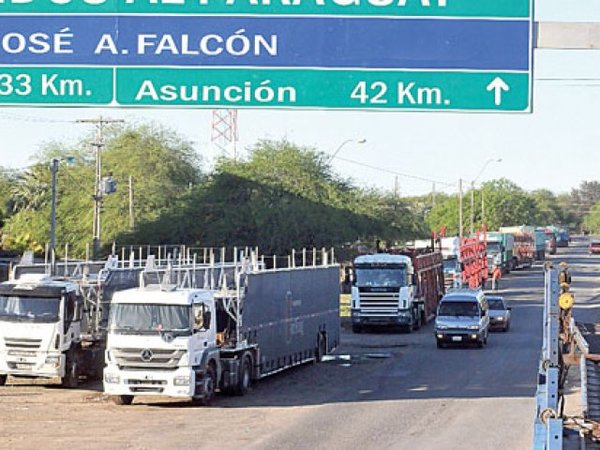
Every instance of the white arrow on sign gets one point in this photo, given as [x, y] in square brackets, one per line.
[498, 85]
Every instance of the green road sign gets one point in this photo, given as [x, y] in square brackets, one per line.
[407, 8]
[56, 85]
[444, 55]
[343, 89]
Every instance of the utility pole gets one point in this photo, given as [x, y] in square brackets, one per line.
[460, 207]
[433, 195]
[53, 171]
[100, 123]
[482, 207]
[131, 218]
[472, 206]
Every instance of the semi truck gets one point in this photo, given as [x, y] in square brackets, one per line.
[401, 288]
[499, 251]
[53, 326]
[540, 244]
[190, 333]
[524, 245]
[450, 248]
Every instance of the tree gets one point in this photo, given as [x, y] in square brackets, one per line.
[163, 167]
[281, 197]
[591, 221]
[548, 210]
[582, 199]
[505, 204]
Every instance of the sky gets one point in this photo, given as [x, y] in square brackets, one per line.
[556, 147]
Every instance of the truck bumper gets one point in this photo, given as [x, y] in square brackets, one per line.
[458, 336]
[361, 318]
[32, 364]
[179, 383]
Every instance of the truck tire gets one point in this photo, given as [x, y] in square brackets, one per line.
[3, 379]
[122, 400]
[321, 349]
[209, 385]
[71, 378]
[417, 320]
[244, 375]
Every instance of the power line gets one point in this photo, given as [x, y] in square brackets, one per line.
[33, 119]
[400, 174]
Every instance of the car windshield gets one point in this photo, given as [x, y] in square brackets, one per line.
[458, 308]
[381, 276]
[149, 318]
[29, 309]
[496, 303]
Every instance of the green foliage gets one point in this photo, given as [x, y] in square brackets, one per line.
[162, 167]
[505, 204]
[281, 197]
[591, 221]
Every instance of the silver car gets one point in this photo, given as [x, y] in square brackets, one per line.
[499, 313]
[462, 318]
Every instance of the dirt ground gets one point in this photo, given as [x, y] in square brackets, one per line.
[36, 414]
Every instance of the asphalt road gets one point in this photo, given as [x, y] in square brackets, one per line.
[383, 390]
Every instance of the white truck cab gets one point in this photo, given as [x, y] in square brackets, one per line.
[162, 342]
[40, 328]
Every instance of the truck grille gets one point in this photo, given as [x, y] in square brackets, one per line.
[22, 343]
[147, 358]
[379, 302]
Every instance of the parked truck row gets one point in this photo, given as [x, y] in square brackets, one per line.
[181, 330]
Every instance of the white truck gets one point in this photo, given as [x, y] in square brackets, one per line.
[188, 333]
[53, 326]
[396, 289]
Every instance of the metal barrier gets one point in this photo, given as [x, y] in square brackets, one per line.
[548, 426]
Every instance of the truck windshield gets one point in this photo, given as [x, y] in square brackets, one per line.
[493, 247]
[450, 264]
[148, 318]
[29, 309]
[466, 308]
[381, 276]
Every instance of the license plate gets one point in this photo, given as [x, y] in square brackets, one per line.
[24, 366]
[457, 338]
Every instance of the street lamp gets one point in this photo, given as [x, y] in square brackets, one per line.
[347, 141]
[54, 171]
[487, 163]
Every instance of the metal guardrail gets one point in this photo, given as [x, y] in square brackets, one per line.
[548, 426]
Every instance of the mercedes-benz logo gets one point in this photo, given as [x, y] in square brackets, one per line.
[146, 355]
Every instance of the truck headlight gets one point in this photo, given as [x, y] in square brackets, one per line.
[500, 319]
[182, 380]
[111, 378]
[53, 360]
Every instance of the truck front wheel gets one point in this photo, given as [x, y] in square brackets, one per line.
[71, 378]
[122, 400]
[3, 379]
[209, 386]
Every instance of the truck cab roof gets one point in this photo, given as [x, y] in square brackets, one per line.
[382, 258]
[38, 284]
[153, 294]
